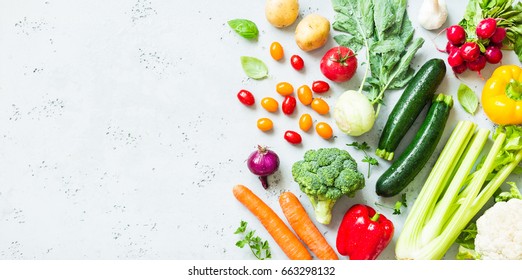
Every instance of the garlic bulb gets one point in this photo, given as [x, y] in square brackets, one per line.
[433, 14]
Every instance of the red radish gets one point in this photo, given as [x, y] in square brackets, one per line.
[456, 34]
[478, 64]
[459, 69]
[486, 28]
[498, 36]
[469, 51]
[454, 58]
[450, 47]
[493, 54]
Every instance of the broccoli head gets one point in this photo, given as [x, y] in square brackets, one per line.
[325, 175]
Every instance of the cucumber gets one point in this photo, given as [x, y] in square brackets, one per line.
[416, 95]
[412, 160]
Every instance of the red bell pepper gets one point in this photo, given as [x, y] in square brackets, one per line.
[363, 233]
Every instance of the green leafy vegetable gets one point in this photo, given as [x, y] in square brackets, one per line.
[365, 147]
[454, 193]
[513, 193]
[244, 27]
[467, 99]
[507, 14]
[383, 28]
[254, 67]
[259, 248]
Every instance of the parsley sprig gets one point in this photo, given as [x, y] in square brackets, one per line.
[260, 248]
[397, 208]
[365, 147]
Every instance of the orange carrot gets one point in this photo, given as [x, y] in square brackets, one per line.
[282, 234]
[305, 228]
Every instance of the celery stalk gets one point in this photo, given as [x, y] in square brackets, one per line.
[452, 196]
[447, 206]
[440, 174]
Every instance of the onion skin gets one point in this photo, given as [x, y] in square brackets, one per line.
[263, 162]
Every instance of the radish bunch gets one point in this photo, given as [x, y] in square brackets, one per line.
[473, 52]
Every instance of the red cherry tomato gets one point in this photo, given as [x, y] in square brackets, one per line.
[246, 97]
[288, 106]
[293, 137]
[320, 86]
[296, 62]
[339, 64]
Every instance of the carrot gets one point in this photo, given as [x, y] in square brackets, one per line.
[305, 228]
[282, 234]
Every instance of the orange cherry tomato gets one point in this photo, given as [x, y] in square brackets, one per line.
[304, 93]
[305, 122]
[324, 130]
[276, 51]
[320, 106]
[269, 104]
[284, 88]
[265, 124]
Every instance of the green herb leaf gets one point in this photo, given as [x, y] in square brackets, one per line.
[258, 247]
[359, 146]
[365, 147]
[399, 204]
[241, 243]
[241, 228]
[467, 99]
[254, 67]
[245, 28]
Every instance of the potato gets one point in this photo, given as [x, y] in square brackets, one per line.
[281, 13]
[312, 32]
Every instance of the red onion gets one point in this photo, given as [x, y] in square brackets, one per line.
[263, 162]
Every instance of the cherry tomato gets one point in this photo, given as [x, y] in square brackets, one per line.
[320, 86]
[320, 106]
[296, 62]
[284, 88]
[324, 130]
[304, 93]
[339, 64]
[288, 105]
[246, 97]
[265, 124]
[305, 122]
[269, 104]
[293, 137]
[276, 51]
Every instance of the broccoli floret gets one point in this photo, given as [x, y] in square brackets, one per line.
[324, 176]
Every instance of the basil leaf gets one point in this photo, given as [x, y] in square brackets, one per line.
[254, 68]
[467, 99]
[244, 27]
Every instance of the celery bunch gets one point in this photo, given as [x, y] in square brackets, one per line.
[455, 192]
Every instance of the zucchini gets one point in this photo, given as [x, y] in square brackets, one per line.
[412, 160]
[418, 93]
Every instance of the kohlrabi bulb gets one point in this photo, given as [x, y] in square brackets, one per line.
[353, 113]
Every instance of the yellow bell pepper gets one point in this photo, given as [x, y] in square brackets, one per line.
[502, 95]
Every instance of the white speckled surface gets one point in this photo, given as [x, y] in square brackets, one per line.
[121, 136]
